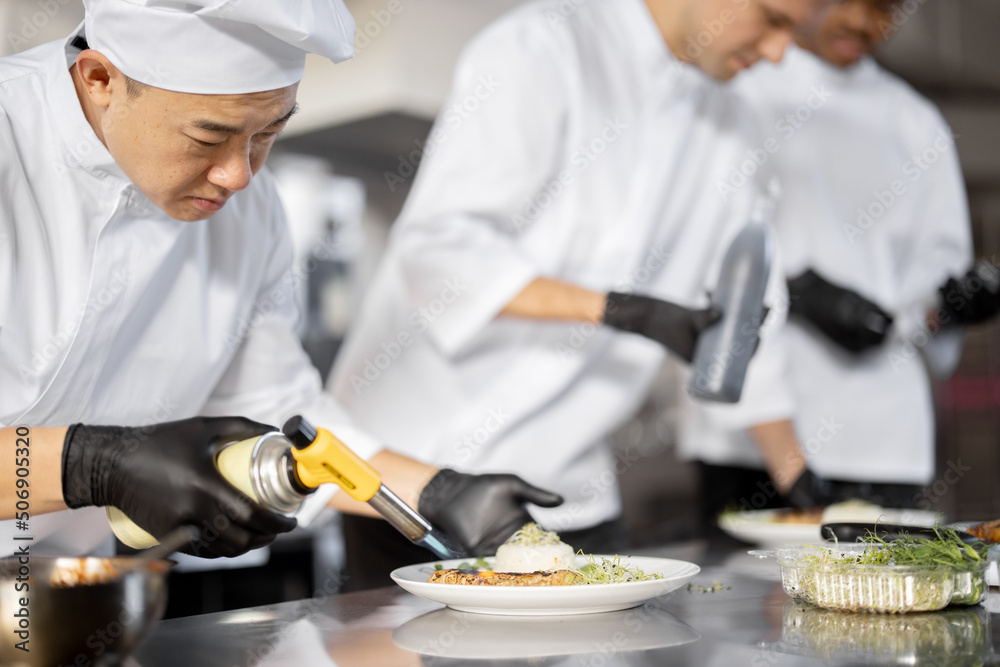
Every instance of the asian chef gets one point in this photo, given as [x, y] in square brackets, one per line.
[146, 292]
[558, 241]
[874, 234]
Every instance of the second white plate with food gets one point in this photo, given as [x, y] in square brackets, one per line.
[549, 600]
[772, 528]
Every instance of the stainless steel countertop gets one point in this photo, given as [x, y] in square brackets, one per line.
[750, 621]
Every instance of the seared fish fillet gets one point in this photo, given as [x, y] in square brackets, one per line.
[987, 532]
[487, 578]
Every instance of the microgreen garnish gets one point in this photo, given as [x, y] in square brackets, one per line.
[531, 534]
[611, 571]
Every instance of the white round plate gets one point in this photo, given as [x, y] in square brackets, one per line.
[759, 526]
[548, 600]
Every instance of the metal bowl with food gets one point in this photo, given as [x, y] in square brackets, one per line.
[77, 611]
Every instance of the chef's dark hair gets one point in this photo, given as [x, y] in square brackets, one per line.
[133, 88]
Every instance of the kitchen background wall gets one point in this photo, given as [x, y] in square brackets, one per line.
[346, 162]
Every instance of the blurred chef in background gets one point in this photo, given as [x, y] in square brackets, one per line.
[146, 275]
[558, 241]
[875, 238]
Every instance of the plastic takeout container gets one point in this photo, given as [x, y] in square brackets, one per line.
[820, 576]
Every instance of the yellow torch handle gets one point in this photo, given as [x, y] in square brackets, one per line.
[327, 459]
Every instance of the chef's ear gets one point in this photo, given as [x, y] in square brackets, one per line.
[98, 76]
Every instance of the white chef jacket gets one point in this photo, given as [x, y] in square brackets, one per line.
[874, 201]
[111, 312]
[572, 146]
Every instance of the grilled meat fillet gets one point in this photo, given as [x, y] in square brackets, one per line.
[488, 578]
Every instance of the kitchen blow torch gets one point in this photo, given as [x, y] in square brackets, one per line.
[321, 458]
[279, 470]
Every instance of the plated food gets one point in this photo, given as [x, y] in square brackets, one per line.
[587, 584]
[549, 600]
[798, 515]
[781, 527]
[534, 556]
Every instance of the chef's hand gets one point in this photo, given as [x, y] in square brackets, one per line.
[675, 327]
[808, 491]
[163, 476]
[480, 511]
[846, 317]
[972, 298]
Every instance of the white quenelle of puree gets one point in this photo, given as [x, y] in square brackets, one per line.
[532, 549]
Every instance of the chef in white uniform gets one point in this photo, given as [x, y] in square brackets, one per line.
[569, 177]
[873, 224]
[145, 271]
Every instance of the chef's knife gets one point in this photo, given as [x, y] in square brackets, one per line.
[321, 458]
[852, 532]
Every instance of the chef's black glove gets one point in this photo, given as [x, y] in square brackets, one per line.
[675, 327]
[808, 491]
[480, 511]
[972, 298]
[163, 476]
[846, 317]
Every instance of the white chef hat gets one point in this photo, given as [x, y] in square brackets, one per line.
[218, 46]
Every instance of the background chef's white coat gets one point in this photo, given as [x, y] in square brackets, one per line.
[867, 418]
[113, 313]
[573, 146]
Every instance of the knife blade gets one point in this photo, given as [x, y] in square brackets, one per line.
[852, 532]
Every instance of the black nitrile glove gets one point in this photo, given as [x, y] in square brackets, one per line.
[846, 317]
[808, 491]
[164, 476]
[675, 327]
[480, 511]
[973, 298]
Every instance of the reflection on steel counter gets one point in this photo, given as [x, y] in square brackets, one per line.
[953, 636]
